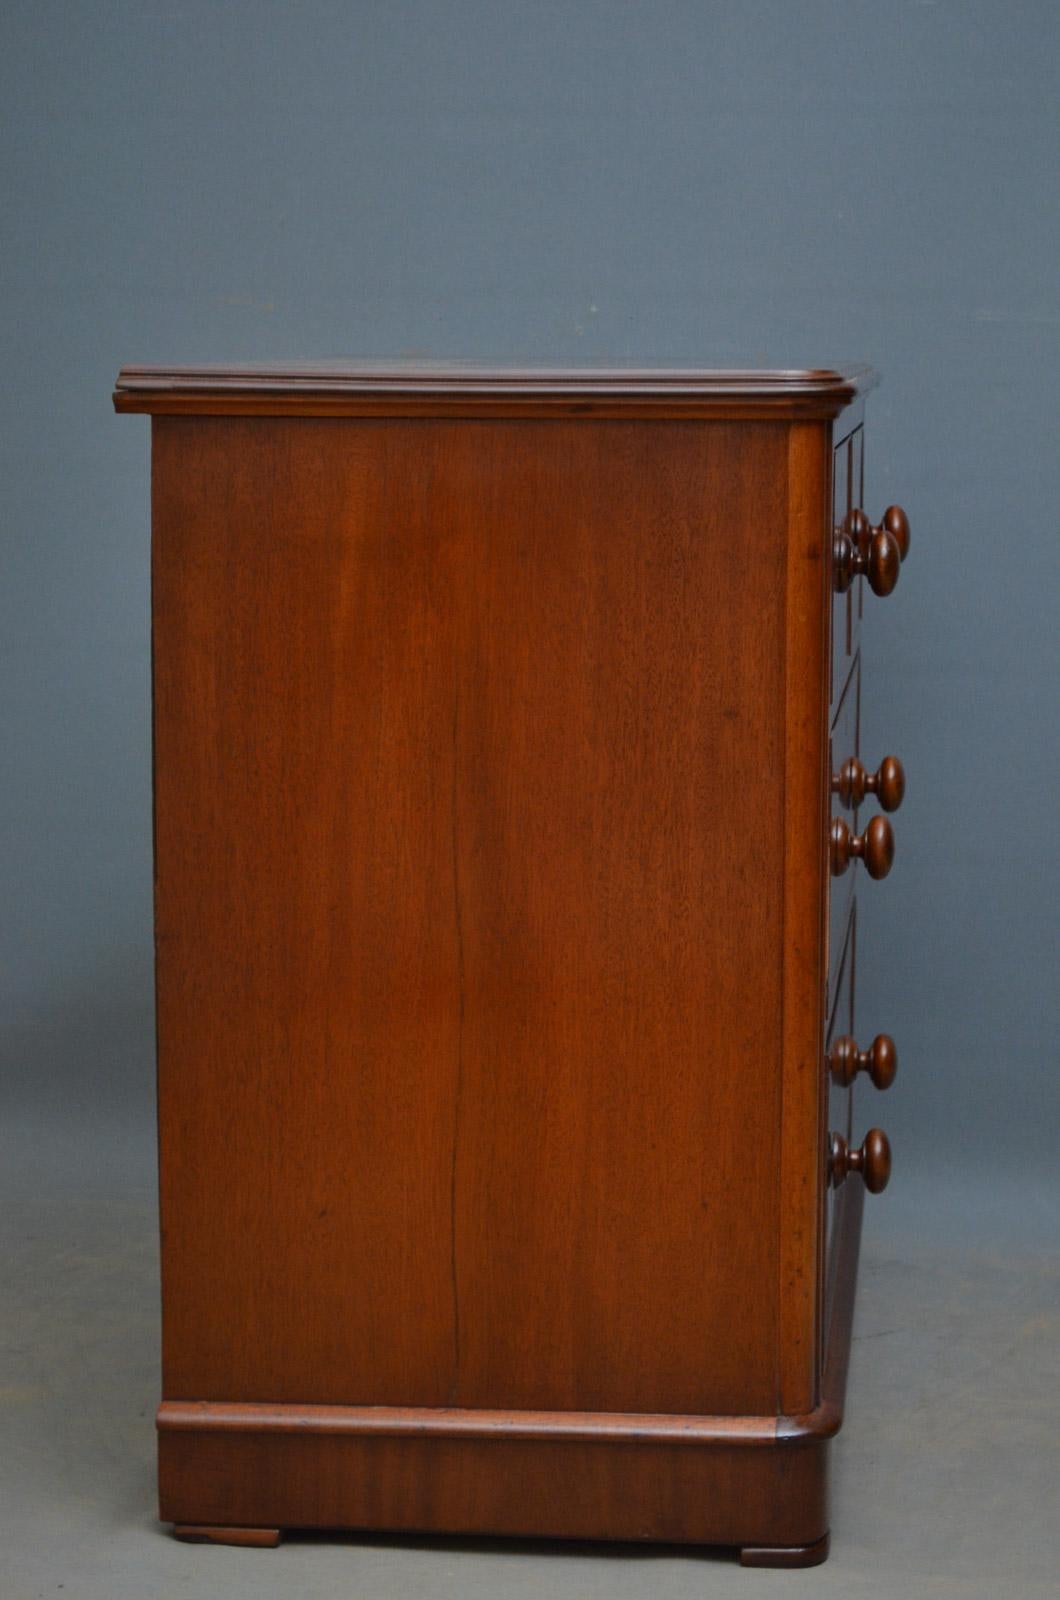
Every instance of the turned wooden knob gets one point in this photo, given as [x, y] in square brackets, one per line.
[880, 1060]
[860, 550]
[853, 782]
[872, 1161]
[874, 848]
[896, 523]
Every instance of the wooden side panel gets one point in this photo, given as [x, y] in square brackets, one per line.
[800, 1170]
[471, 988]
[306, 942]
[725, 1493]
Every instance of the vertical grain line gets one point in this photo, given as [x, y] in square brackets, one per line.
[459, 919]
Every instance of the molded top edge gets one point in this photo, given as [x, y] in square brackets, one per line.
[450, 387]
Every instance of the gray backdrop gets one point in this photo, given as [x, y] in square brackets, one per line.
[632, 182]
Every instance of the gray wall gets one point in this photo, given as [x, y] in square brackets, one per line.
[649, 182]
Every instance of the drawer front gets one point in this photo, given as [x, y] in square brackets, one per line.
[844, 742]
[857, 498]
[841, 603]
[840, 1021]
[861, 842]
[848, 483]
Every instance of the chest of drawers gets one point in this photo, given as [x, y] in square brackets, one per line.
[510, 823]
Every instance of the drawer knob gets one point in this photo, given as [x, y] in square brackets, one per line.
[874, 847]
[860, 550]
[872, 1161]
[853, 782]
[880, 1060]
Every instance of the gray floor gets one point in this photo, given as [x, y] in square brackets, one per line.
[947, 1473]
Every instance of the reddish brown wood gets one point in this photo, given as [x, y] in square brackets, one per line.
[724, 1492]
[871, 1161]
[798, 1555]
[433, 784]
[853, 782]
[844, 742]
[880, 1060]
[804, 922]
[837, 1099]
[492, 1132]
[844, 1264]
[259, 1538]
[896, 523]
[349, 389]
[860, 550]
[450, 1422]
[842, 645]
[857, 498]
[874, 848]
[688, 1480]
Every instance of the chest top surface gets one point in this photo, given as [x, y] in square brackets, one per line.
[348, 387]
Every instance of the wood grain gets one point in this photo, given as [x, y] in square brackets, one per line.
[803, 926]
[343, 388]
[498, 951]
[450, 1422]
[454, 739]
[844, 744]
[838, 1097]
[731, 1481]
[250, 1538]
[725, 1494]
[799, 1555]
[841, 635]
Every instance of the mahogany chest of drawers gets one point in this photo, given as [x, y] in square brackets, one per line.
[510, 823]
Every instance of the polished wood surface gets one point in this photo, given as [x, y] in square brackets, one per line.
[875, 553]
[804, 923]
[879, 1061]
[433, 785]
[843, 647]
[837, 1097]
[344, 388]
[755, 1482]
[797, 1555]
[871, 1160]
[495, 765]
[895, 522]
[857, 498]
[722, 1492]
[853, 782]
[254, 1538]
[874, 848]
[844, 743]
